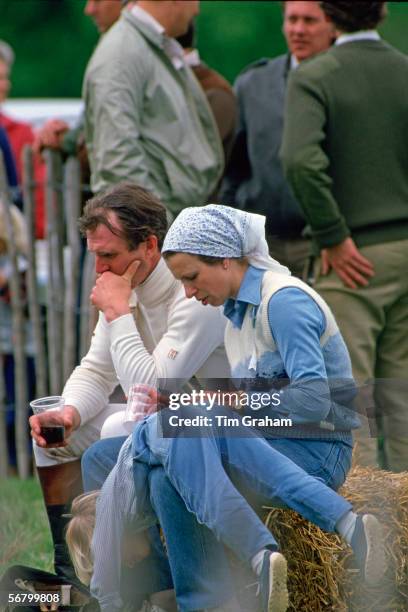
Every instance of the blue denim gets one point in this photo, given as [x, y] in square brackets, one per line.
[198, 582]
[198, 563]
[195, 466]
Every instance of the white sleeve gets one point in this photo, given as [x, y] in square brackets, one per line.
[91, 383]
[193, 333]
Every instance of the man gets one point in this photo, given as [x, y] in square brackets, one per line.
[254, 177]
[147, 330]
[147, 118]
[55, 133]
[345, 152]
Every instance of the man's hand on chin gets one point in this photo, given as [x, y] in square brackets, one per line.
[111, 292]
[348, 263]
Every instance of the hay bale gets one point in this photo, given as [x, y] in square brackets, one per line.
[321, 574]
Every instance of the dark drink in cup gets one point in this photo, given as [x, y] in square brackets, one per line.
[53, 434]
[49, 409]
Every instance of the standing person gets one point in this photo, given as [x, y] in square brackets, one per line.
[254, 178]
[345, 152]
[147, 329]
[147, 118]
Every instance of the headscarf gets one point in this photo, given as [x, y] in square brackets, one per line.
[220, 231]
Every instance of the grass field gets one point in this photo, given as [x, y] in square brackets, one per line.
[24, 532]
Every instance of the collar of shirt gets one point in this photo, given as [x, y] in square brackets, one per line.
[360, 35]
[192, 58]
[249, 293]
[171, 47]
[294, 62]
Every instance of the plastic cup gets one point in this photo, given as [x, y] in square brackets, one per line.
[52, 427]
[139, 403]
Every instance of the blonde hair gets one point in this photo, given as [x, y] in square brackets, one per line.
[79, 534]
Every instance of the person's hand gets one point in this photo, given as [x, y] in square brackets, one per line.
[111, 292]
[50, 135]
[348, 263]
[68, 417]
[142, 400]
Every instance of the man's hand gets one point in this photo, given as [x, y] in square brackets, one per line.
[50, 135]
[69, 418]
[348, 263]
[111, 292]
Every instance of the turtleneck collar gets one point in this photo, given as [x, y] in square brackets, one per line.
[159, 285]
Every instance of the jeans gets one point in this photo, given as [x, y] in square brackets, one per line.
[202, 470]
[198, 563]
[195, 466]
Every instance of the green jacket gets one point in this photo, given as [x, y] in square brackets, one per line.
[148, 122]
[345, 143]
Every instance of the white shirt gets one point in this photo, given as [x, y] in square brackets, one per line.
[171, 47]
[167, 337]
[360, 35]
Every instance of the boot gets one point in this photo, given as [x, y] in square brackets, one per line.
[60, 484]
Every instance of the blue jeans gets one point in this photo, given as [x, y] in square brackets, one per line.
[198, 564]
[200, 468]
[192, 465]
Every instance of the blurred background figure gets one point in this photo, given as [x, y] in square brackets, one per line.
[6, 326]
[20, 134]
[150, 121]
[345, 152]
[219, 92]
[254, 178]
[56, 134]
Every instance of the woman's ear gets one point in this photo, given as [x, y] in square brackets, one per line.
[225, 264]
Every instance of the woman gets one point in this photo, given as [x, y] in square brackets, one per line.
[278, 329]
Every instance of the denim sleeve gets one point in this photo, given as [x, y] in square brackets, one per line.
[297, 324]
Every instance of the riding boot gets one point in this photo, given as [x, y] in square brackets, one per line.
[60, 484]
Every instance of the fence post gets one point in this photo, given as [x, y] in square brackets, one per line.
[55, 281]
[88, 317]
[32, 287]
[3, 426]
[72, 204]
[20, 362]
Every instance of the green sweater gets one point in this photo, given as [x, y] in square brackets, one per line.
[345, 143]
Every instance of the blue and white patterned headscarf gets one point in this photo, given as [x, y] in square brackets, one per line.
[220, 231]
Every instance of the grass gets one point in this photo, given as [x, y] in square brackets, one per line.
[24, 533]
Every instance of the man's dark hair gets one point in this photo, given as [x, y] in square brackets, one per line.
[353, 15]
[139, 213]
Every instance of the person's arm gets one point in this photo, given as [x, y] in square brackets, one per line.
[193, 333]
[296, 324]
[306, 162]
[92, 382]
[307, 167]
[114, 98]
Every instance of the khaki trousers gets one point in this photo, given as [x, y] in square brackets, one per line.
[291, 253]
[374, 324]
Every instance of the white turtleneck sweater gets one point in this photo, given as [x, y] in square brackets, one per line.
[166, 336]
